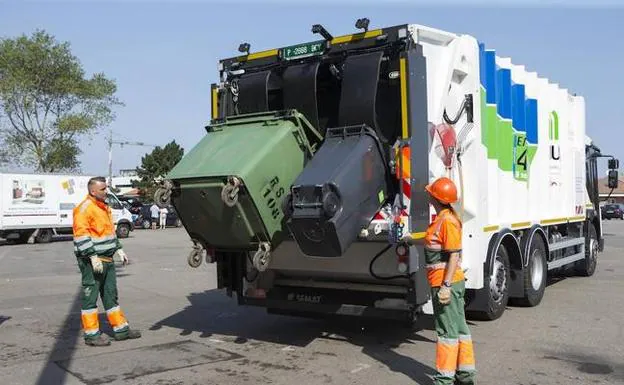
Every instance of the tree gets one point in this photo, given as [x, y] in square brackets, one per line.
[155, 166]
[47, 103]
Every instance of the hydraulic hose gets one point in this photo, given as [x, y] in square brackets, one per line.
[379, 254]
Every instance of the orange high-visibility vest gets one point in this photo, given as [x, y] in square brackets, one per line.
[443, 237]
[94, 230]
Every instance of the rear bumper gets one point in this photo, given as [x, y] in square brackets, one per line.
[311, 309]
[322, 302]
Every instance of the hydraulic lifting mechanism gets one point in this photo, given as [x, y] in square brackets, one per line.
[313, 167]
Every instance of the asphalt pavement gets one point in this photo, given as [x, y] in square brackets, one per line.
[195, 334]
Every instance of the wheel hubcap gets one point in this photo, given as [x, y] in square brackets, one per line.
[498, 280]
[537, 270]
[594, 252]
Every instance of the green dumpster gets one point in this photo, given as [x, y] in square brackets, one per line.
[228, 190]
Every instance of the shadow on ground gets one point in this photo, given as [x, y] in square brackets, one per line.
[212, 312]
[64, 346]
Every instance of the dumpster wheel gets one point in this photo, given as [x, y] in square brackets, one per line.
[262, 257]
[194, 258]
[229, 193]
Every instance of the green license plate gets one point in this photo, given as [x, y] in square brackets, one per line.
[303, 50]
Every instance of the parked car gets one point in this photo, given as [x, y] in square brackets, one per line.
[144, 217]
[613, 210]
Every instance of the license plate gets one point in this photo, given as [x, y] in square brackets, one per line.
[609, 212]
[303, 50]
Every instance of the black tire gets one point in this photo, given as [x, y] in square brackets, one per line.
[23, 237]
[587, 266]
[123, 230]
[498, 288]
[535, 274]
[44, 236]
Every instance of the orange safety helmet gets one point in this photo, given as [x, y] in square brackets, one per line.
[443, 189]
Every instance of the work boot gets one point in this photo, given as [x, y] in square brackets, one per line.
[130, 335]
[100, 340]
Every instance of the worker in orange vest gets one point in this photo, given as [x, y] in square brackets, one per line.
[95, 244]
[455, 361]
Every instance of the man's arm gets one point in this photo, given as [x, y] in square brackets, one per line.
[83, 243]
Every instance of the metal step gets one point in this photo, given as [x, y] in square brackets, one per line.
[563, 244]
[567, 260]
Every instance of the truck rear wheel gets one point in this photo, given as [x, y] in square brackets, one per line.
[44, 236]
[497, 289]
[587, 266]
[535, 274]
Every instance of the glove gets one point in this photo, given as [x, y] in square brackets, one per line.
[444, 295]
[123, 256]
[97, 264]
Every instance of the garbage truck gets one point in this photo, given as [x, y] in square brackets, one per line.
[313, 167]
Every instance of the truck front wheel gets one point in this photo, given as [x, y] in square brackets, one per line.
[587, 266]
[123, 230]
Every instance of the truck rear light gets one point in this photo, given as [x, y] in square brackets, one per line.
[402, 252]
[255, 293]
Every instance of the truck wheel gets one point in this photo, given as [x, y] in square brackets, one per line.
[587, 266]
[535, 274]
[123, 230]
[24, 237]
[44, 236]
[498, 293]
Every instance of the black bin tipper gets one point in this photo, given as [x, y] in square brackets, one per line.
[228, 190]
[338, 193]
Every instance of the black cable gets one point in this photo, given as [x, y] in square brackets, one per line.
[459, 113]
[379, 254]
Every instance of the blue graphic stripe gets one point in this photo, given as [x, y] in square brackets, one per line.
[531, 120]
[482, 71]
[504, 93]
[490, 77]
[510, 100]
[519, 109]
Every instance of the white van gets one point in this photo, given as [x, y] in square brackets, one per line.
[40, 206]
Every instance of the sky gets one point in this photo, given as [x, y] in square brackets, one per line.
[163, 55]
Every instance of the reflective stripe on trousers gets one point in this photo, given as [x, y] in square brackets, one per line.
[455, 361]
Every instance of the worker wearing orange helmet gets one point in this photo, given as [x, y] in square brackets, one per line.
[455, 361]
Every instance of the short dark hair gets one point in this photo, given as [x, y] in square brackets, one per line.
[96, 179]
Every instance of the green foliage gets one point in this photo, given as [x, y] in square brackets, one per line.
[155, 166]
[47, 103]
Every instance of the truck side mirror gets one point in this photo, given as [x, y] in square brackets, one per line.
[613, 179]
[614, 164]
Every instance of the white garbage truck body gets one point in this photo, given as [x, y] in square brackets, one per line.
[444, 104]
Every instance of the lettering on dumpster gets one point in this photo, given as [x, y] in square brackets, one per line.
[272, 194]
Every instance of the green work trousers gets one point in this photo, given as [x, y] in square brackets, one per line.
[102, 285]
[455, 362]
